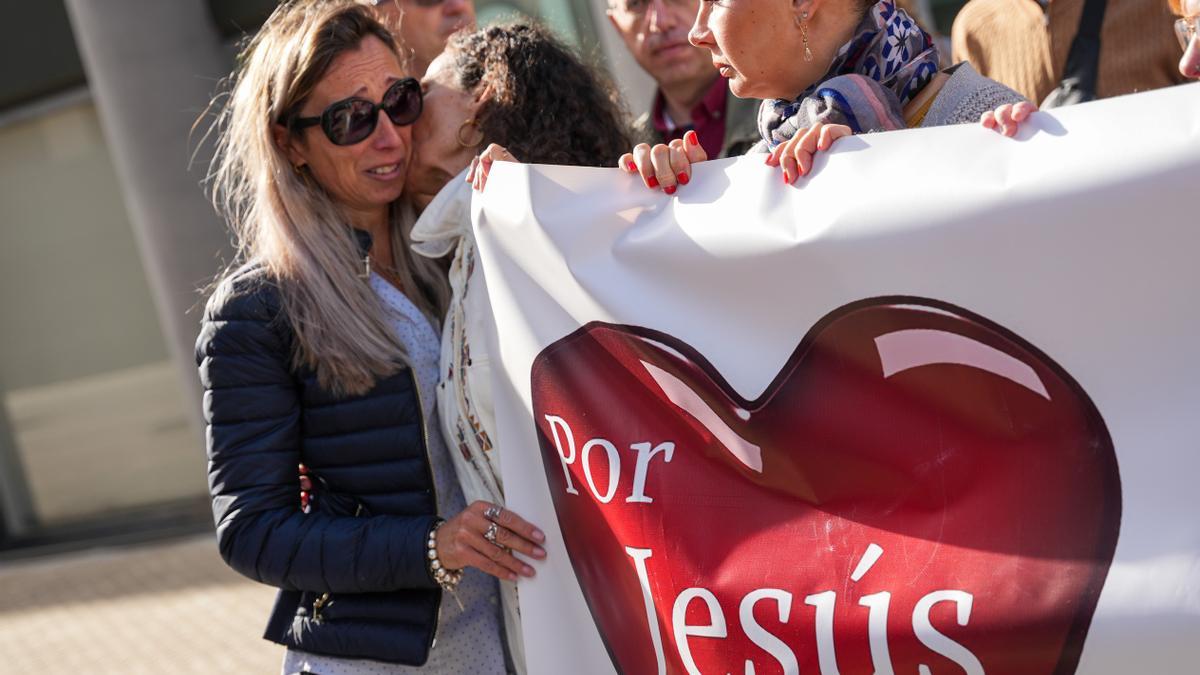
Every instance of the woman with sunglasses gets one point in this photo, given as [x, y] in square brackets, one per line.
[1187, 28]
[320, 347]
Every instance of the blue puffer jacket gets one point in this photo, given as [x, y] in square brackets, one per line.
[352, 574]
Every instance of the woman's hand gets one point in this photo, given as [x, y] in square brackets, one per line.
[482, 165]
[1007, 118]
[666, 166]
[795, 156]
[463, 541]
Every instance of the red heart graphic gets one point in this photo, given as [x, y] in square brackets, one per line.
[919, 491]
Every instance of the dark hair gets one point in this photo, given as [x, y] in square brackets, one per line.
[546, 106]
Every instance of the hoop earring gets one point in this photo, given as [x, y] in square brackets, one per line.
[459, 136]
[802, 21]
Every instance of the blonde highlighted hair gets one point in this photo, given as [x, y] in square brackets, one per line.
[289, 225]
[1176, 6]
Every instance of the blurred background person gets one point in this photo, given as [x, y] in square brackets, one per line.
[320, 347]
[424, 26]
[1025, 44]
[499, 85]
[691, 95]
[1187, 28]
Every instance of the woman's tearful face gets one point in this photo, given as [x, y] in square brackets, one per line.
[366, 176]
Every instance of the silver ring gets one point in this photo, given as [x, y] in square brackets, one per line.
[491, 533]
[493, 513]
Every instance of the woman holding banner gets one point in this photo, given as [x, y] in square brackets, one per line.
[321, 348]
[499, 85]
[827, 69]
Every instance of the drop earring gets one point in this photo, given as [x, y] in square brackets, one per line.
[802, 21]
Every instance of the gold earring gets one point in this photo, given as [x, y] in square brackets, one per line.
[803, 22]
[467, 144]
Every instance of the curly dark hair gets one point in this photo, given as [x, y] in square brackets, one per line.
[546, 106]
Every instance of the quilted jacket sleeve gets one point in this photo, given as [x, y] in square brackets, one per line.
[252, 409]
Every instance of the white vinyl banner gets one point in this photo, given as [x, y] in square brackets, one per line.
[933, 410]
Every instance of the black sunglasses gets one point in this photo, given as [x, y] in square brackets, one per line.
[352, 120]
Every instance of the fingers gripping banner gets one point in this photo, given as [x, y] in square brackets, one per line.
[931, 411]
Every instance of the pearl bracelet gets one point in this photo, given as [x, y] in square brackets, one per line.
[446, 578]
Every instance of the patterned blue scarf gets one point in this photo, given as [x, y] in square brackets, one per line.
[887, 62]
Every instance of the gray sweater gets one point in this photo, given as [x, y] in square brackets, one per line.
[966, 96]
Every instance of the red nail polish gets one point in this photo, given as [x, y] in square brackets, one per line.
[670, 189]
[692, 138]
[683, 178]
[631, 166]
[652, 181]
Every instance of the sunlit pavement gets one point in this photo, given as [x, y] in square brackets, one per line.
[161, 608]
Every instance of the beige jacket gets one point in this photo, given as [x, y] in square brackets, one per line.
[464, 391]
[1014, 42]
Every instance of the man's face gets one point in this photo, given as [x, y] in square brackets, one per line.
[656, 33]
[426, 25]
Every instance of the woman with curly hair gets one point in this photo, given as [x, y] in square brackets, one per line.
[508, 85]
[511, 85]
